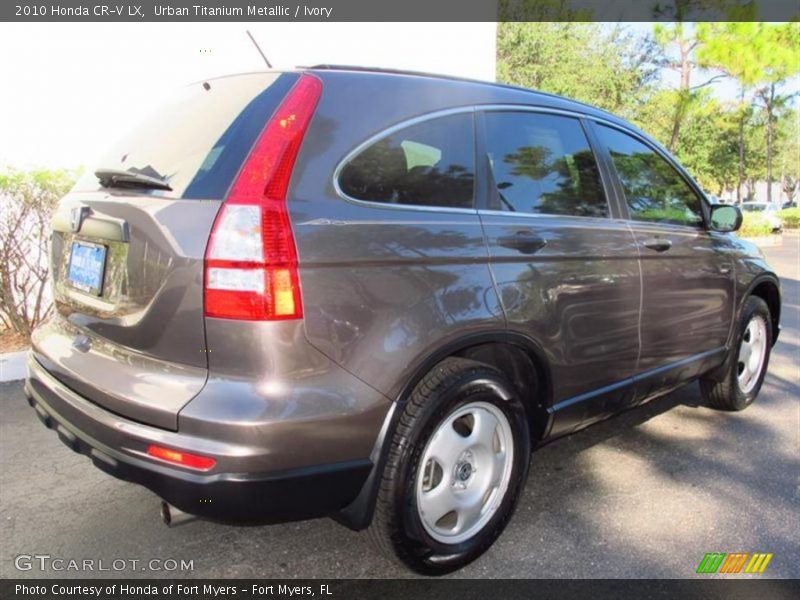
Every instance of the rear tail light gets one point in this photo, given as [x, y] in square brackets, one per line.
[178, 457]
[251, 260]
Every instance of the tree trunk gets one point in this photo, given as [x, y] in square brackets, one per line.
[683, 93]
[770, 102]
[14, 315]
[740, 172]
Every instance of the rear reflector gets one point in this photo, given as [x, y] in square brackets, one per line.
[193, 461]
[251, 260]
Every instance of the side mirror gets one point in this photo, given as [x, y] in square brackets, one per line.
[725, 218]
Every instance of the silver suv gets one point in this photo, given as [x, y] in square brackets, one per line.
[370, 294]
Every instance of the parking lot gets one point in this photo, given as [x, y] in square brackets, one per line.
[645, 495]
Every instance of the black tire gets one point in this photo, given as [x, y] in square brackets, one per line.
[396, 528]
[726, 393]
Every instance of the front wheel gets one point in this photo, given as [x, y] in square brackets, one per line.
[457, 463]
[747, 363]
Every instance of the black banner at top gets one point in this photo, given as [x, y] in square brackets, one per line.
[398, 10]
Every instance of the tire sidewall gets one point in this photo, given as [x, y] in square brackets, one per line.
[431, 555]
[754, 306]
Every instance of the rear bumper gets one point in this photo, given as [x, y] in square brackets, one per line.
[117, 446]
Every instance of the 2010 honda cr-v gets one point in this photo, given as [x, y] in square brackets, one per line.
[368, 294]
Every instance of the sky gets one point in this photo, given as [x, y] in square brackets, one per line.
[70, 90]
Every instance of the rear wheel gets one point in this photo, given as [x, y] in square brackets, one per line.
[747, 363]
[456, 465]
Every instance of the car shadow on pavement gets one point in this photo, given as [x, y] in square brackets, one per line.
[672, 473]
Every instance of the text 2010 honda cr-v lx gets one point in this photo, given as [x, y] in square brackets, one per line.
[368, 294]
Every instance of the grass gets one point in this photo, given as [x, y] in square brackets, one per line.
[790, 217]
[754, 225]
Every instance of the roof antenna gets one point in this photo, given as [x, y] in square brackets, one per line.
[255, 43]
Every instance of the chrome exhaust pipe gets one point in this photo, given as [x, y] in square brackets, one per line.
[172, 517]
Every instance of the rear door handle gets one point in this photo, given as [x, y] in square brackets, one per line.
[657, 244]
[523, 241]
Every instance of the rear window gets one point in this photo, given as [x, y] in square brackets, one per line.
[199, 140]
[428, 164]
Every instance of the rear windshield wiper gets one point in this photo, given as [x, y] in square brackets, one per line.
[119, 178]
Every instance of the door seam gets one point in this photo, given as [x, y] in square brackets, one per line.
[641, 295]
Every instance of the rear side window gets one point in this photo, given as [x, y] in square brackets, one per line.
[654, 190]
[542, 164]
[427, 164]
[199, 140]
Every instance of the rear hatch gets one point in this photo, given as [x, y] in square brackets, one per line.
[128, 245]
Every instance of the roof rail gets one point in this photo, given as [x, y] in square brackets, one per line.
[389, 71]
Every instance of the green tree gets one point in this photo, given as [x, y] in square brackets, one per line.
[541, 10]
[762, 57]
[606, 67]
[703, 10]
[787, 152]
[781, 62]
[727, 47]
[755, 163]
[709, 141]
[678, 44]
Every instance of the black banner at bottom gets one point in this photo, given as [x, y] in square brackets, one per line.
[413, 589]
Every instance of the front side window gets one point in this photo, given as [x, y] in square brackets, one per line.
[654, 190]
[542, 164]
[427, 164]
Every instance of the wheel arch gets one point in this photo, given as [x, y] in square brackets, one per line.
[768, 289]
[510, 353]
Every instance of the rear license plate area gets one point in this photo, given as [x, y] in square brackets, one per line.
[87, 264]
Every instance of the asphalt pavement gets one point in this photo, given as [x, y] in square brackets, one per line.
[643, 495]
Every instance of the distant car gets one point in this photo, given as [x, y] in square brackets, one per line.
[788, 204]
[770, 210]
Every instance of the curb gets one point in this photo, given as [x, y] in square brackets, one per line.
[12, 366]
